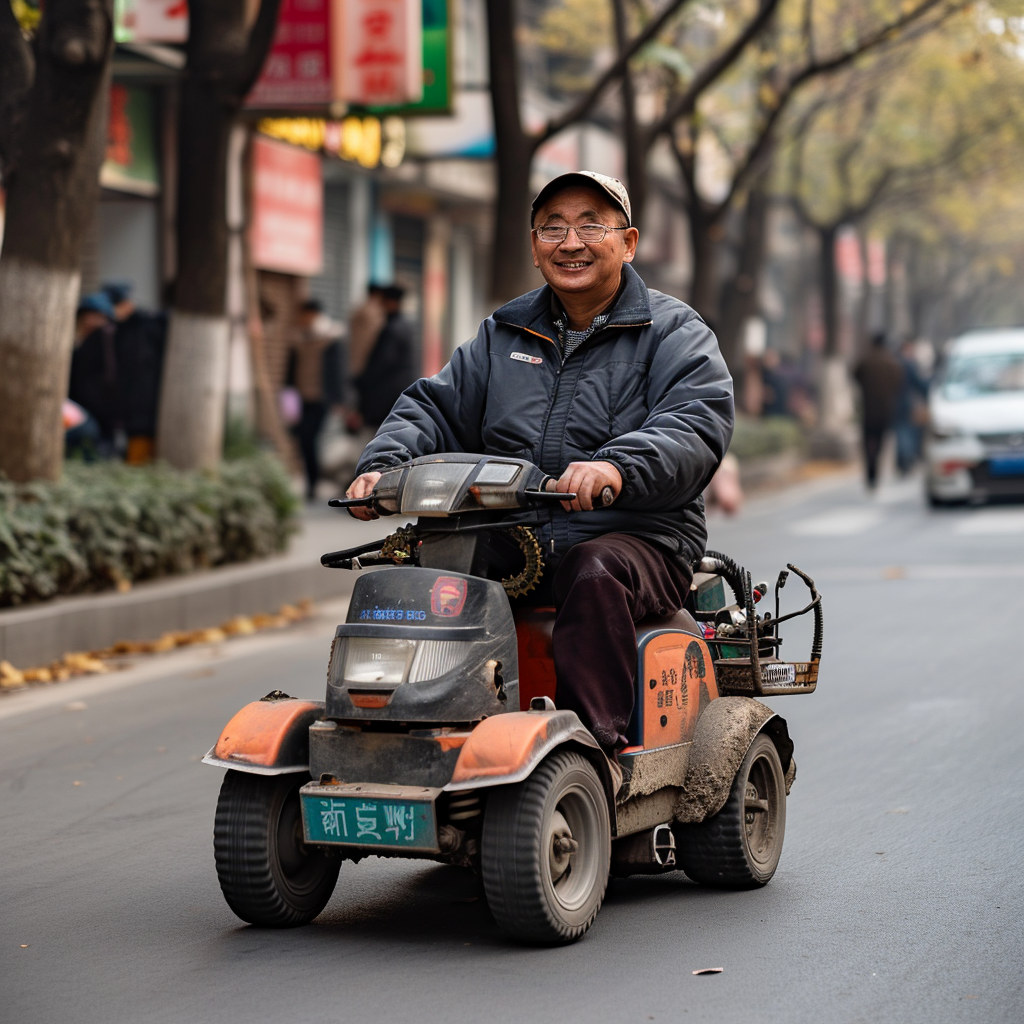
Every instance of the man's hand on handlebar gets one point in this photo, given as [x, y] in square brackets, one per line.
[588, 480]
[362, 487]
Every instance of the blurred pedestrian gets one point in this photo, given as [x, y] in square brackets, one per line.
[365, 325]
[390, 367]
[316, 371]
[911, 410]
[140, 339]
[92, 382]
[880, 377]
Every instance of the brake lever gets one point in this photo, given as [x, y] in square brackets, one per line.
[604, 499]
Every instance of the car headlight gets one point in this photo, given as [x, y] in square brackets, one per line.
[391, 662]
[945, 431]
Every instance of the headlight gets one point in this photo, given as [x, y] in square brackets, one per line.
[945, 431]
[370, 660]
[431, 490]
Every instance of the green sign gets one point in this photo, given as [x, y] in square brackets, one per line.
[437, 43]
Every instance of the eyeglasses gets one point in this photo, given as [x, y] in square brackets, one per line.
[584, 232]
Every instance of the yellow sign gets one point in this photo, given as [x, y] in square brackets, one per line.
[367, 141]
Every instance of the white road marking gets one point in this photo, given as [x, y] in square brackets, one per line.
[999, 522]
[841, 522]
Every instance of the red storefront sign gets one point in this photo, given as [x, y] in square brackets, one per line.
[297, 71]
[379, 52]
[287, 215]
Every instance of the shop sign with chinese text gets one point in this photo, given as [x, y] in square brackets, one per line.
[297, 71]
[378, 47]
[287, 214]
[151, 21]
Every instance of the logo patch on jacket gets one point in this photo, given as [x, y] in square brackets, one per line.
[524, 358]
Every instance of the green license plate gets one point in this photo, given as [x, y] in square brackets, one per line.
[370, 821]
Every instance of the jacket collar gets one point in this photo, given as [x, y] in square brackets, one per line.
[532, 311]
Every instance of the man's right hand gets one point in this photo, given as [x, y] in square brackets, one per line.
[361, 487]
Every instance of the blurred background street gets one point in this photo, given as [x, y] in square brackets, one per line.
[233, 232]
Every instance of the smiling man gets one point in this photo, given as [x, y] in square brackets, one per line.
[602, 383]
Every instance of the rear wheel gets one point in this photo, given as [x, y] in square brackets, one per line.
[739, 847]
[546, 851]
[268, 875]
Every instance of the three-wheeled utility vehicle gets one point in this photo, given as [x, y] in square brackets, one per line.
[440, 738]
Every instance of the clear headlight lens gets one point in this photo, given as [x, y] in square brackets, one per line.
[432, 489]
[371, 660]
[945, 431]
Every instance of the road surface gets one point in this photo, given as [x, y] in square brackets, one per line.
[898, 898]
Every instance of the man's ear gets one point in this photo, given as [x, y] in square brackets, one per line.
[631, 237]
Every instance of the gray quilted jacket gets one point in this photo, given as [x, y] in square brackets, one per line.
[648, 391]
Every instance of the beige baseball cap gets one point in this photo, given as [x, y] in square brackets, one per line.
[612, 187]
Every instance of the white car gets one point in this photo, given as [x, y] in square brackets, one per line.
[975, 444]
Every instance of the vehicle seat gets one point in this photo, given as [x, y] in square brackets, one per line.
[534, 627]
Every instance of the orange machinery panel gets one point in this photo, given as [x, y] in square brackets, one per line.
[678, 680]
[536, 659]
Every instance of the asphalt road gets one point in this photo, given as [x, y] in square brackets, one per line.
[898, 898]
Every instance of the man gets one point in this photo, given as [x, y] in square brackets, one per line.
[390, 367]
[365, 325]
[315, 370]
[880, 377]
[140, 340]
[602, 383]
[93, 379]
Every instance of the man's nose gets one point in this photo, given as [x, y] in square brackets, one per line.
[571, 242]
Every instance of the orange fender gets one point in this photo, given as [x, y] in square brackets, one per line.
[506, 748]
[267, 737]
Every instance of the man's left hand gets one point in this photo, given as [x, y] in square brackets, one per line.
[587, 480]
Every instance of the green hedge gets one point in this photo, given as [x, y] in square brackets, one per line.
[106, 525]
[760, 438]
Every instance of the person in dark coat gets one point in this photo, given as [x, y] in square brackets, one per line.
[140, 339]
[880, 377]
[93, 380]
[602, 383]
[390, 367]
[911, 409]
[316, 370]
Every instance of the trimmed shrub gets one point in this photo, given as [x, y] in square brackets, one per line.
[106, 525]
[760, 438]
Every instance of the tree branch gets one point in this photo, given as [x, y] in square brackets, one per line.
[580, 108]
[17, 72]
[709, 74]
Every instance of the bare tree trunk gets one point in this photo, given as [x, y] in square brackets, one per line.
[740, 295]
[705, 236]
[829, 287]
[52, 179]
[224, 58]
[510, 268]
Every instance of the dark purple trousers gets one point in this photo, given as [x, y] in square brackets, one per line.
[601, 588]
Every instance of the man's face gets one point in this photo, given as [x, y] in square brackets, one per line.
[577, 267]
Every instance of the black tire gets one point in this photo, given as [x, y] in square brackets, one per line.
[539, 891]
[267, 873]
[740, 846]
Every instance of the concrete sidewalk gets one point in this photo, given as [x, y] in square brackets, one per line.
[38, 634]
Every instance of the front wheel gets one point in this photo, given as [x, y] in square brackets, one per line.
[739, 847]
[268, 875]
[546, 851]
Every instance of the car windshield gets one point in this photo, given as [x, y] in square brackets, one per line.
[989, 373]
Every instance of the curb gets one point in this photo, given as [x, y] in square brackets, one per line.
[41, 633]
